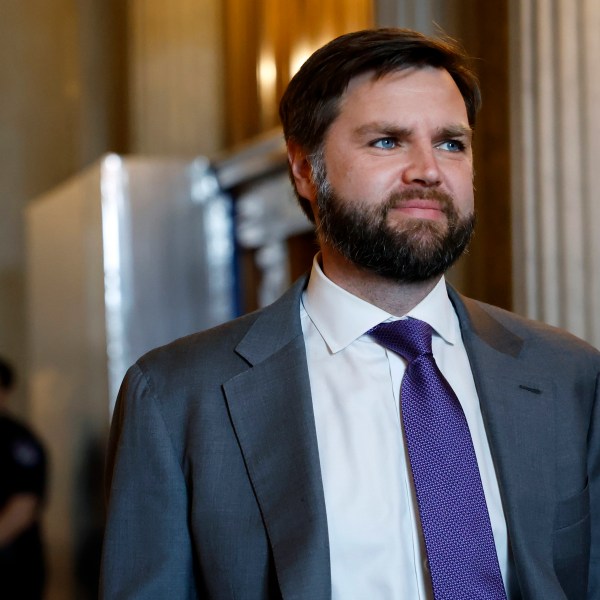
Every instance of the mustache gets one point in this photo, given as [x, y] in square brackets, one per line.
[396, 199]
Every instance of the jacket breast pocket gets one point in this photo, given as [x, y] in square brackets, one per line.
[571, 544]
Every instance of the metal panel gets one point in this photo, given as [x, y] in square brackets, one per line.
[168, 254]
[125, 256]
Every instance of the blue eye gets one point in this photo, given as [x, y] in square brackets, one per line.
[452, 146]
[385, 143]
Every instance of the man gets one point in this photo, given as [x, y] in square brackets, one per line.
[22, 483]
[372, 434]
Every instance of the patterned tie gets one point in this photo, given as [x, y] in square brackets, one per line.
[456, 525]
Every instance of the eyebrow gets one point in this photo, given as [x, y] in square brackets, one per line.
[455, 131]
[382, 128]
[392, 130]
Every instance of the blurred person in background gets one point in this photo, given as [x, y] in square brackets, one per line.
[22, 485]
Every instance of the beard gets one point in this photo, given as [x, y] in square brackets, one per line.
[413, 251]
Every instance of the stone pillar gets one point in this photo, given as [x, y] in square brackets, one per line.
[555, 94]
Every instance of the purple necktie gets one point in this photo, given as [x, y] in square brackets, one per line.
[456, 525]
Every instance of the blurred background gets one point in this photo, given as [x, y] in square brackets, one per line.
[144, 192]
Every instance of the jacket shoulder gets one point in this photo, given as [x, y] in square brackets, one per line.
[263, 331]
[479, 315]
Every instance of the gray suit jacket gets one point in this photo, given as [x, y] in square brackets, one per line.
[213, 468]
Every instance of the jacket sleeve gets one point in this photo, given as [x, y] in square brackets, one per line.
[147, 551]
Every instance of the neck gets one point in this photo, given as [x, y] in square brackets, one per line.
[396, 298]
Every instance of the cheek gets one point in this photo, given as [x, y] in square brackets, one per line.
[358, 180]
[464, 198]
[339, 169]
[461, 184]
[348, 167]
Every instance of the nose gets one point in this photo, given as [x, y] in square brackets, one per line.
[422, 167]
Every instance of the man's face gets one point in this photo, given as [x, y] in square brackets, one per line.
[393, 186]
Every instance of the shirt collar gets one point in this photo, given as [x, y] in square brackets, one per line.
[341, 318]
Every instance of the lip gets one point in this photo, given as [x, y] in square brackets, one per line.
[420, 208]
[420, 203]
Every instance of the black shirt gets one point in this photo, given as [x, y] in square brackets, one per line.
[22, 470]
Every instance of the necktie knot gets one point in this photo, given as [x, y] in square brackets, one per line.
[410, 338]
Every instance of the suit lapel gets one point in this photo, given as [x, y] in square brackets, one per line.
[518, 408]
[271, 410]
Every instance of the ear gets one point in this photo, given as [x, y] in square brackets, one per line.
[301, 171]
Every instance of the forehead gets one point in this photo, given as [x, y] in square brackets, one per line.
[407, 93]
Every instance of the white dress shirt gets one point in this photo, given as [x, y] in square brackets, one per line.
[376, 543]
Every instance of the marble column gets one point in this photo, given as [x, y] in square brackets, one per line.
[555, 96]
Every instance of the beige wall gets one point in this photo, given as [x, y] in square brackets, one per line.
[29, 131]
[176, 77]
[78, 79]
[56, 115]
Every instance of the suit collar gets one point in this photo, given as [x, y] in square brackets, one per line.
[280, 323]
[474, 320]
[274, 327]
[341, 317]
